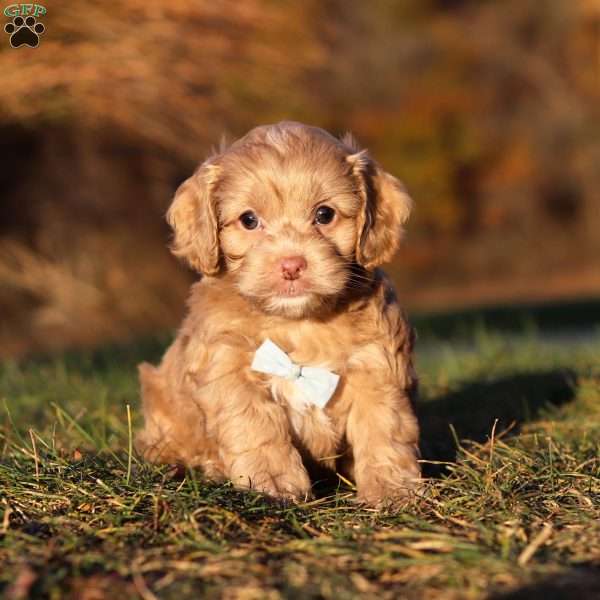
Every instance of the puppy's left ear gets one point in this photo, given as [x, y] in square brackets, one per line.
[386, 206]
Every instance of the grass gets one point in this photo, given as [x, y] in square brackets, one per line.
[511, 430]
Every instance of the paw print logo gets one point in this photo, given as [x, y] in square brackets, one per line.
[24, 32]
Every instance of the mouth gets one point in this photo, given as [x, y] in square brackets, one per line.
[291, 289]
[293, 299]
[290, 301]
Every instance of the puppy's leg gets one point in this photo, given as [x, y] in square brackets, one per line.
[383, 433]
[156, 442]
[175, 425]
[255, 444]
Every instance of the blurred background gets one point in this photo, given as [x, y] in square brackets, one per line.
[488, 110]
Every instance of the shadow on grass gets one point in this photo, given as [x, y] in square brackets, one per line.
[581, 582]
[473, 409]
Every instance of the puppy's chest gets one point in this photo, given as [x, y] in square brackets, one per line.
[305, 367]
[314, 425]
[315, 418]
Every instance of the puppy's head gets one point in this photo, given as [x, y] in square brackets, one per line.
[289, 211]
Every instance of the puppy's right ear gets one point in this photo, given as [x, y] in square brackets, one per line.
[193, 217]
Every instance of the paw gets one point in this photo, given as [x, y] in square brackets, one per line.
[295, 487]
[388, 487]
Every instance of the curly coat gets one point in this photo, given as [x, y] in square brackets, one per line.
[203, 405]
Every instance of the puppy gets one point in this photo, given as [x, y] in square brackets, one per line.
[294, 351]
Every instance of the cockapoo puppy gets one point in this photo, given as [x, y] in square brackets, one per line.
[295, 351]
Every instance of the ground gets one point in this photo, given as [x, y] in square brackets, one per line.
[511, 509]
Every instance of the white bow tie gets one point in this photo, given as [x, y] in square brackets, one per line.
[316, 384]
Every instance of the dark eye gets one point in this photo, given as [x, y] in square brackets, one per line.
[249, 220]
[324, 215]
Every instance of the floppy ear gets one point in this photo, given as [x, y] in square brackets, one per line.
[385, 208]
[193, 217]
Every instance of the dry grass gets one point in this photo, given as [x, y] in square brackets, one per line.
[80, 299]
[82, 518]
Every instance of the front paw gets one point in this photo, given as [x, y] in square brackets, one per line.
[294, 486]
[388, 487]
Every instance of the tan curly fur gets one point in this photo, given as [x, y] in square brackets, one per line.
[203, 405]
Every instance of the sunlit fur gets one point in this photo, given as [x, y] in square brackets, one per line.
[203, 405]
